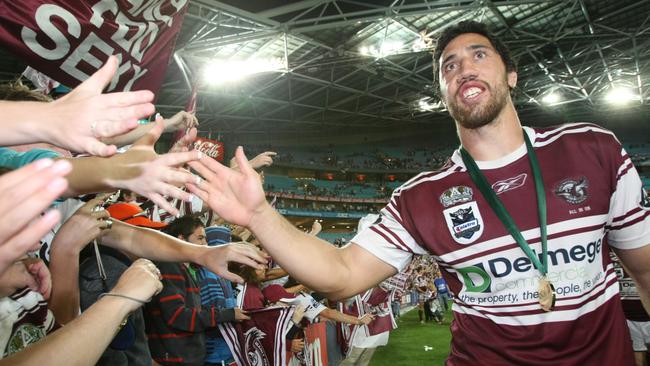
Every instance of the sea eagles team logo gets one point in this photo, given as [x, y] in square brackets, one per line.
[254, 349]
[454, 195]
[25, 335]
[464, 222]
[572, 191]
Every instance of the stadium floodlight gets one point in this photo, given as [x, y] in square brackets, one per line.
[386, 49]
[620, 95]
[390, 48]
[551, 98]
[425, 104]
[222, 71]
[419, 45]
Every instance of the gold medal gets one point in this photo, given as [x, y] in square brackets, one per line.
[546, 294]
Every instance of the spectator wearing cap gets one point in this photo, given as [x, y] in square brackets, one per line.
[134, 215]
[176, 321]
[217, 291]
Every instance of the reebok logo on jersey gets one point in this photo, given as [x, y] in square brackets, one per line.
[477, 278]
[509, 184]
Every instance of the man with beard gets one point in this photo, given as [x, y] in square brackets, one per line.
[519, 220]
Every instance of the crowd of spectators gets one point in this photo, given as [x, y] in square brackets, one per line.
[343, 190]
[639, 152]
[285, 203]
[107, 253]
[382, 159]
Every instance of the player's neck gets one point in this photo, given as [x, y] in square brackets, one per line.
[495, 140]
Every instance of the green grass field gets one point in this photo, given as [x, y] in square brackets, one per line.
[406, 343]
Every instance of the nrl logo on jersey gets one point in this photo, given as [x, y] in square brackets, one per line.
[464, 222]
[572, 191]
[454, 195]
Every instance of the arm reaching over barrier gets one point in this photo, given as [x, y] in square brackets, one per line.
[79, 120]
[238, 197]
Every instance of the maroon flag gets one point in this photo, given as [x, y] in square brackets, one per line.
[68, 40]
[397, 282]
[316, 344]
[260, 341]
[347, 332]
[376, 301]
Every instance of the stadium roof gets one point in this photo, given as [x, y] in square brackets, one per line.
[345, 67]
[360, 66]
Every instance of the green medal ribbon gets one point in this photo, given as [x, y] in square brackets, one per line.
[501, 212]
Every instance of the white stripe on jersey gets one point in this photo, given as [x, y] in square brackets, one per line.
[566, 126]
[391, 210]
[419, 179]
[552, 229]
[552, 316]
[627, 164]
[587, 127]
[627, 198]
[621, 224]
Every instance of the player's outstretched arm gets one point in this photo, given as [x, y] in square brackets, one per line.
[238, 197]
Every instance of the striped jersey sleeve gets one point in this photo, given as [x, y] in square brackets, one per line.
[629, 215]
[388, 239]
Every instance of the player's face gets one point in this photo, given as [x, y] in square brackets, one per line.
[473, 80]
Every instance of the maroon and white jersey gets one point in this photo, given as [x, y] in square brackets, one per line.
[594, 199]
[261, 340]
[24, 320]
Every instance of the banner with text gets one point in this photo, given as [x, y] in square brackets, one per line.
[211, 148]
[68, 40]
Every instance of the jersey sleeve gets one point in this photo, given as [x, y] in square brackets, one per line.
[14, 159]
[387, 238]
[628, 225]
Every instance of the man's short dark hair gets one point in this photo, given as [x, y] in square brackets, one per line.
[468, 26]
[183, 226]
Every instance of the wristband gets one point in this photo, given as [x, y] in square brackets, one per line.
[122, 296]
